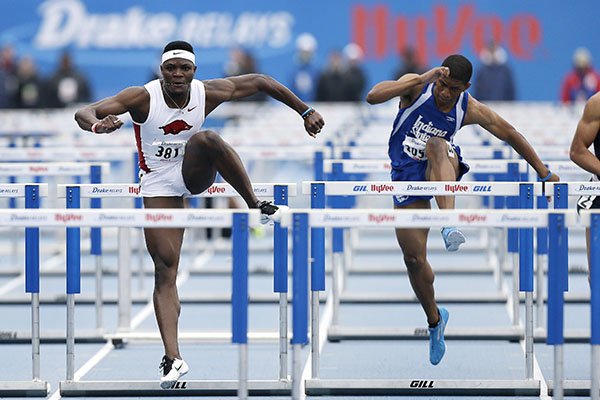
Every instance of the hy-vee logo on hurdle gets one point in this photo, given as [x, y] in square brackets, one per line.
[464, 188]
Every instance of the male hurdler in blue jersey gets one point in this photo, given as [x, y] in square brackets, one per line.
[433, 107]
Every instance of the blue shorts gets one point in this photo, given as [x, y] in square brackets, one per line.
[414, 170]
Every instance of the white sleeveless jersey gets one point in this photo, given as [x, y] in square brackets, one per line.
[162, 137]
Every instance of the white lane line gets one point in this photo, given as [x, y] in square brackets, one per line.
[50, 264]
[182, 277]
[12, 284]
[538, 375]
[537, 371]
[325, 323]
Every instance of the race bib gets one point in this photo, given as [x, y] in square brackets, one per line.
[169, 150]
[414, 148]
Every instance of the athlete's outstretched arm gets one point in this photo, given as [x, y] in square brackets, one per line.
[219, 91]
[102, 115]
[588, 128]
[407, 86]
[479, 113]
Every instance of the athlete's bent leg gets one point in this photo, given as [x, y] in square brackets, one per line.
[442, 165]
[206, 153]
[164, 246]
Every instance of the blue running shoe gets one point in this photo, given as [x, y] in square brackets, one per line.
[437, 345]
[453, 238]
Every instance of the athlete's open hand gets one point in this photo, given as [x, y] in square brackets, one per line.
[108, 124]
[313, 123]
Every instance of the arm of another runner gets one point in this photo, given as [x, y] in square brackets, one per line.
[101, 116]
[219, 91]
[585, 134]
[479, 113]
[407, 87]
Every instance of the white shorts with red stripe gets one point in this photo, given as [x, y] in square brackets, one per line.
[167, 181]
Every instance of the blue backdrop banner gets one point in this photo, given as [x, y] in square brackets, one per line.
[118, 43]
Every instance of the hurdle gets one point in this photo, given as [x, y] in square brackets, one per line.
[279, 191]
[522, 219]
[364, 188]
[39, 169]
[354, 151]
[524, 260]
[558, 286]
[76, 218]
[36, 387]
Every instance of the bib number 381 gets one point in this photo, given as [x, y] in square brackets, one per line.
[166, 152]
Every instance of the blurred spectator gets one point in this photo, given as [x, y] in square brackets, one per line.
[583, 81]
[332, 81]
[8, 77]
[8, 61]
[242, 62]
[494, 80]
[410, 64]
[355, 76]
[31, 91]
[67, 85]
[304, 77]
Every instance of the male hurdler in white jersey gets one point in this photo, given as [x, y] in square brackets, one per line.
[433, 107]
[177, 159]
[162, 137]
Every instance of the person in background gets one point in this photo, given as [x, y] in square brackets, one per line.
[433, 107]
[304, 76]
[68, 85]
[9, 82]
[410, 63]
[355, 75]
[582, 81]
[242, 62]
[494, 79]
[587, 134]
[31, 89]
[179, 159]
[331, 85]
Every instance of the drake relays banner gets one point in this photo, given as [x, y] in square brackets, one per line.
[118, 43]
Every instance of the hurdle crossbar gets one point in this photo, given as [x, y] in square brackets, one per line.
[182, 388]
[383, 165]
[422, 387]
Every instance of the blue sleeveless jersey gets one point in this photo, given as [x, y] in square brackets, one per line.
[413, 127]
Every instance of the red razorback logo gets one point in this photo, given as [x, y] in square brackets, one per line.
[173, 128]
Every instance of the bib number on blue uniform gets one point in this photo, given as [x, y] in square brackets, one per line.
[414, 148]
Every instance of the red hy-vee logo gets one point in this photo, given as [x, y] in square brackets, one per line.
[173, 128]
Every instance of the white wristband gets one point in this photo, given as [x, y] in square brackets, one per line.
[93, 129]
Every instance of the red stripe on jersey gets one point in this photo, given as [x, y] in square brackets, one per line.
[138, 143]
